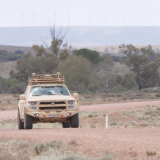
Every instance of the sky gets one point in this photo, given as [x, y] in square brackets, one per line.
[26, 13]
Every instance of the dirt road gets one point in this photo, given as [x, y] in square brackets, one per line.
[97, 107]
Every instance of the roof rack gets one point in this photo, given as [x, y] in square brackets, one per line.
[45, 78]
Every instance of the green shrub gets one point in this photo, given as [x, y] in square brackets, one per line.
[119, 95]
[148, 113]
[119, 88]
[111, 95]
[113, 123]
[91, 115]
[92, 87]
[150, 153]
[158, 95]
[129, 91]
[17, 88]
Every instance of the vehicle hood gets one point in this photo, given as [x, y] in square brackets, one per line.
[51, 97]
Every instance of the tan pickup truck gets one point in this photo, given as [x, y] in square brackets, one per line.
[47, 99]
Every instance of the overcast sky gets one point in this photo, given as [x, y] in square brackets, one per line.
[79, 12]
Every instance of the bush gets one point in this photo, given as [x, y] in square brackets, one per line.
[158, 95]
[129, 91]
[119, 88]
[92, 87]
[150, 153]
[38, 149]
[17, 88]
[91, 115]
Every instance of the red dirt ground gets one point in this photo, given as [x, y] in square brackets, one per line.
[122, 143]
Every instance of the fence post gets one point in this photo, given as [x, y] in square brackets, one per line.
[106, 122]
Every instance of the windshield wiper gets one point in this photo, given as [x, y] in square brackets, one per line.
[36, 95]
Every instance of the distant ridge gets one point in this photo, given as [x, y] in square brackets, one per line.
[78, 36]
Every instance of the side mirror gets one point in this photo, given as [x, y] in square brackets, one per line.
[22, 97]
[75, 95]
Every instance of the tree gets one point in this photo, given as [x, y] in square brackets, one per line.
[144, 62]
[105, 71]
[46, 60]
[77, 71]
[29, 64]
[92, 56]
[64, 55]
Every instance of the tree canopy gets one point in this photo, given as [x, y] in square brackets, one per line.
[92, 56]
[144, 62]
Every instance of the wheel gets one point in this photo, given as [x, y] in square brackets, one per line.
[66, 125]
[75, 121]
[20, 123]
[28, 121]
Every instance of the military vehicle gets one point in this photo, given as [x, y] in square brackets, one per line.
[47, 99]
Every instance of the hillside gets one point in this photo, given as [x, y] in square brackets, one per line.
[78, 36]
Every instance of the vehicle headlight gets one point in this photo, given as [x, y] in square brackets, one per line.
[33, 105]
[71, 104]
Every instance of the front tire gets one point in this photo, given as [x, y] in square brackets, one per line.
[28, 121]
[19, 121]
[75, 121]
[66, 125]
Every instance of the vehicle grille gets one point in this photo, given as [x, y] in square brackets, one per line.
[47, 103]
[51, 108]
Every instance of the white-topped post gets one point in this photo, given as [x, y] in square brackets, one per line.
[106, 122]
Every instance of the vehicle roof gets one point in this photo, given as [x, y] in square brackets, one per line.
[47, 84]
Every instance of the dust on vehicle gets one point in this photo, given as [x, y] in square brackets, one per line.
[47, 99]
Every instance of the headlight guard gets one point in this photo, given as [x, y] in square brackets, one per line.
[33, 105]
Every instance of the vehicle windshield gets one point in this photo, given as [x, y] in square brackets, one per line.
[48, 90]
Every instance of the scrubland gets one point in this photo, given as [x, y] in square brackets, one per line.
[148, 117]
[127, 120]
[11, 149]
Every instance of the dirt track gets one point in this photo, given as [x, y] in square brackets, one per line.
[123, 143]
[100, 107]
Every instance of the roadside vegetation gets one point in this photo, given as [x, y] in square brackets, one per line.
[147, 117]
[26, 150]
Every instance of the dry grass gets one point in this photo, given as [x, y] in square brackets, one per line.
[148, 117]
[129, 96]
[26, 150]
[14, 149]
[8, 102]
[6, 67]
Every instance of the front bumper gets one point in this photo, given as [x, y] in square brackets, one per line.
[49, 114]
